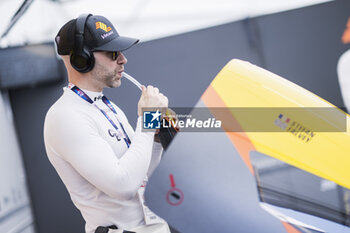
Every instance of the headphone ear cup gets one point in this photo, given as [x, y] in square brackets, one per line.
[83, 62]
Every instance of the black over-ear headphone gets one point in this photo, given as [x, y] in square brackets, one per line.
[81, 58]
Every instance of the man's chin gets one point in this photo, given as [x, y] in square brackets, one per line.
[115, 84]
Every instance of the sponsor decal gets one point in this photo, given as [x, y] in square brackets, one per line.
[100, 25]
[300, 131]
[113, 133]
[106, 34]
[282, 121]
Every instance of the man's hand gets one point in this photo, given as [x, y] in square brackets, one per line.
[169, 116]
[151, 98]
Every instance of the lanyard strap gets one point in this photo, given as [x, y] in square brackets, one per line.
[110, 105]
[106, 101]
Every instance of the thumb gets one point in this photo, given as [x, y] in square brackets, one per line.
[143, 89]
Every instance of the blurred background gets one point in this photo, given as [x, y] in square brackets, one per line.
[184, 44]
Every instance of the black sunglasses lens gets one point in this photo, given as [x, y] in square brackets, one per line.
[115, 55]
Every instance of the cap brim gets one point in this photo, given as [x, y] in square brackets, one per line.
[120, 43]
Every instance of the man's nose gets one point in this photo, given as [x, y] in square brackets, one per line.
[121, 59]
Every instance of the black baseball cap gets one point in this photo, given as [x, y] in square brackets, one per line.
[99, 35]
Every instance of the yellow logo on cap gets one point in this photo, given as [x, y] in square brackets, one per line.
[103, 26]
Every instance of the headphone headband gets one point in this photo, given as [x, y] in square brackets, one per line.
[79, 32]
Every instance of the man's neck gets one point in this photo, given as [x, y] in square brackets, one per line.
[87, 86]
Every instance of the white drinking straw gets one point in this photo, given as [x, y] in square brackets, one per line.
[131, 79]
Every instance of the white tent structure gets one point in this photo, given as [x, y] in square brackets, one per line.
[144, 19]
